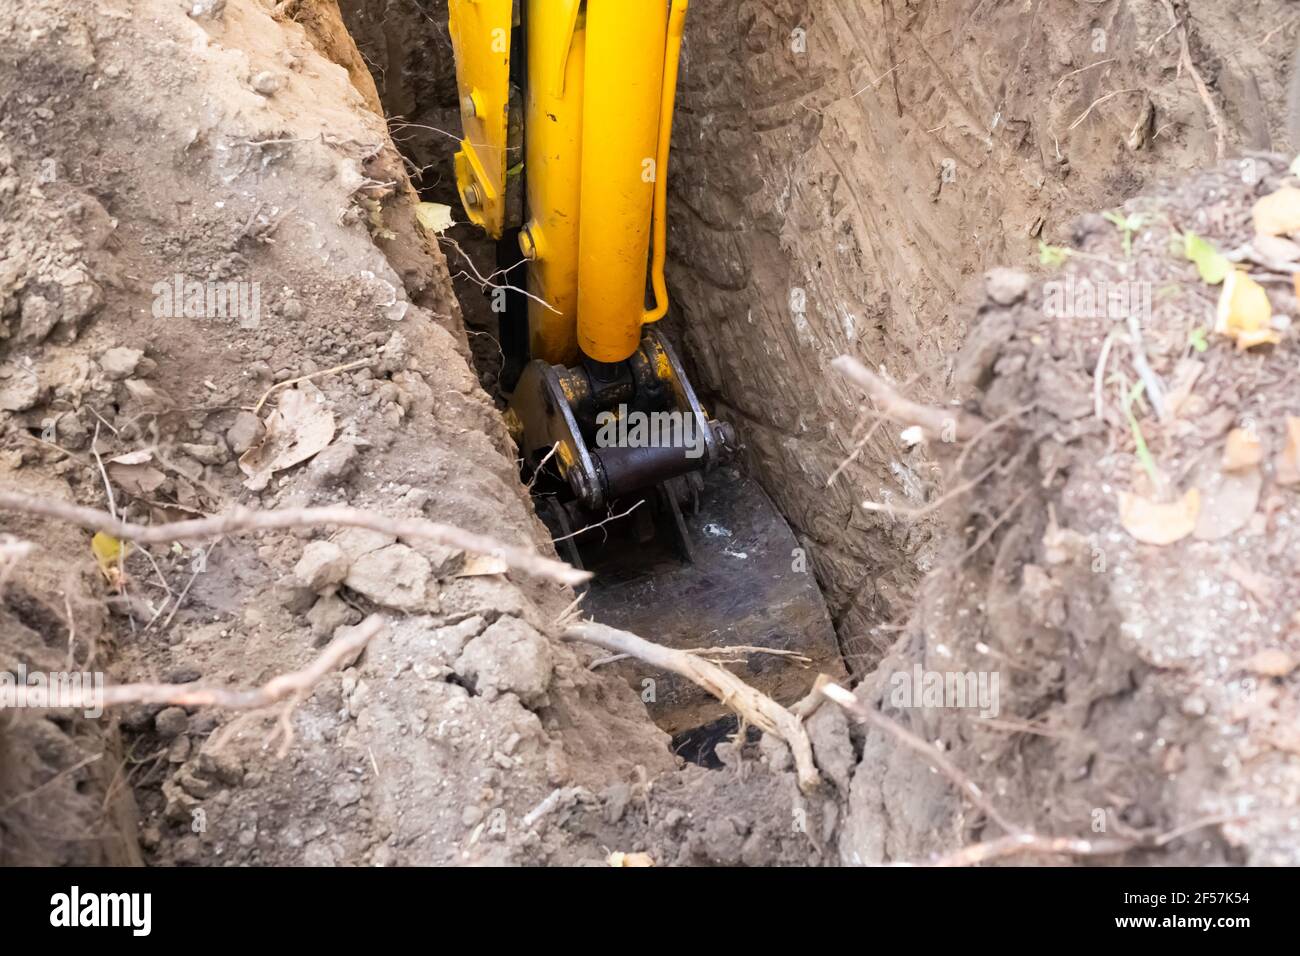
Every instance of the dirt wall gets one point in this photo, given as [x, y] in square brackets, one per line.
[843, 169]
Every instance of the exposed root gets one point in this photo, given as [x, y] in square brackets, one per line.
[247, 519]
[947, 424]
[752, 706]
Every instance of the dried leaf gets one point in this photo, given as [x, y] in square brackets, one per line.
[108, 550]
[1245, 314]
[1270, 663]
[1278, 214]
[1288, 460]
[1242, 450]
[298, 428]
[137, 480]
[618, 858]
[479, 565]
[133, 458]
[434, 217]
[1228, 499]
[1153, 522]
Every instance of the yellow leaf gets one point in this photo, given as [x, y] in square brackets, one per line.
[618, 858]
[1242, 450]
[1244, 312]
[1153, 522]
[1278, 214]
[108, 550]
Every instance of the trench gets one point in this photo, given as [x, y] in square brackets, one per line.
[406, 47]
[842, 172]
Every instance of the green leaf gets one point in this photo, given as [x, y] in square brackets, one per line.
[1197, 340]
[1051, 255]
[1210, 263]
[1128, 225]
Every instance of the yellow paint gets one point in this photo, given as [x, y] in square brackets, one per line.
[625, 53]
[480, 37]
[553, 164]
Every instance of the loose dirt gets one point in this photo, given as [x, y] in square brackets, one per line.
[843, 176]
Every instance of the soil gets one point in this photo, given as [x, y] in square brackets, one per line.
[843, 177]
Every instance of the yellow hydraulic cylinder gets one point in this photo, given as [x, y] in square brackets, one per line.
[676, 27]
[553, 163]
[623, 87]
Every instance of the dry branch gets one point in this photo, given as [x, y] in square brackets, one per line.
[753, 706]
[277, 689]
[952, 423]
[247, 519]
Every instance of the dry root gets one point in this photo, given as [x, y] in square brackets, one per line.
[246, 519]
[753, 706]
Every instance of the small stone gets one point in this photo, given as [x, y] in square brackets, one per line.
[139, 718]
[223, 766]
[198, 787]
[269, 83]
[1006, 286]
[509, 657]
[333, 465]
[208, 9]
[179, 751]
[293, 597]
[323, 564]
[120, 363]
[186, 849]
[171, 722]
[345, 794]
[207, 454]
[394, 576]
[448, 643]
[246, 432]
[182, 675]
[39, 316]
[471, 816]
[293, 310]
[328, 614]
[20, 388]
[358, 541]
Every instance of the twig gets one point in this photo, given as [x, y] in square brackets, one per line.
[752, 705]
[592, 527]
[963, 424]
[285, 686]
[1098, 377]
[708, 653]
[914, 513]
[1220, 134]
[246, 519]
[108, 486]
[347, 366]
[1098, 101]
